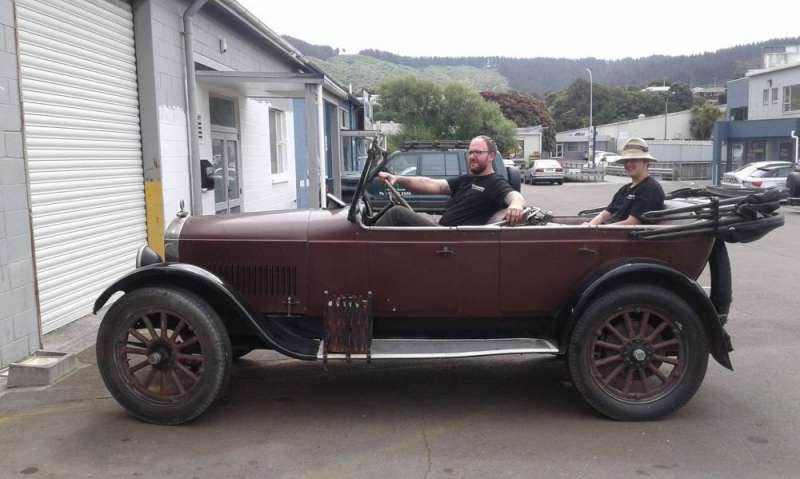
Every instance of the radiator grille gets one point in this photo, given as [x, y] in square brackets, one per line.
[259, 279]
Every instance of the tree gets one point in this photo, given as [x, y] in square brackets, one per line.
[702, 121]
[428, 111]
[526, 110]
[570, 107]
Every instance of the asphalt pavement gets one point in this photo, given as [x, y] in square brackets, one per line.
[472, 418]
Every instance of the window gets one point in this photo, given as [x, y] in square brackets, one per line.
[277, 141]
[439, 164]
[344, 120]
[559, 150]
[223, 112]
[403, 164]
[785, 152]
[757, 151]
[765, 100]
[775, 95]
[791, 98]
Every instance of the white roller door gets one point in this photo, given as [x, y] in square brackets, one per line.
[83, 144]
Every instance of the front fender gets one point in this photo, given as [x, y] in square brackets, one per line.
[643, 271]
[204, 283]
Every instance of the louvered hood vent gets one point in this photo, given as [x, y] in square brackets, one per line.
[258, 279]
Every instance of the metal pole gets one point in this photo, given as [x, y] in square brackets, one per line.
[195, 200]
[589, 135]
[666, 103]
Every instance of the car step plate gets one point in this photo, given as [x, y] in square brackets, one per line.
[448, 348]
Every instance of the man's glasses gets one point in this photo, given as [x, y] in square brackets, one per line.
[477, 152]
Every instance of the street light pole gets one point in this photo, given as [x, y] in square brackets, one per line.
[666, 105]
[589, 136]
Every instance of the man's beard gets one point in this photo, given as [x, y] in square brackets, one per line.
[479, 169]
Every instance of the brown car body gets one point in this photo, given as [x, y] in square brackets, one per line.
[434, 272]
[626, 312]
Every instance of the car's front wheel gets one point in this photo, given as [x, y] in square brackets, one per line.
[638, 353]
[164, 354]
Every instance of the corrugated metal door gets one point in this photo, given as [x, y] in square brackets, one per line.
[83, 144]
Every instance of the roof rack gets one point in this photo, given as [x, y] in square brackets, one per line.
[435, 145]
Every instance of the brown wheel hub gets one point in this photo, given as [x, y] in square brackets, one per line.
[638, 354]
[161, 356]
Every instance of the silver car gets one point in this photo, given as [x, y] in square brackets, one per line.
[544, 171]
[760, 175]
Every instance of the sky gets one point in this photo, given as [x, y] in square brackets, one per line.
[557, 28]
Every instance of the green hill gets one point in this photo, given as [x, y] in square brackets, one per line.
[367, 72]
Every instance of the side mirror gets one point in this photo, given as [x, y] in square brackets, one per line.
[206, 175]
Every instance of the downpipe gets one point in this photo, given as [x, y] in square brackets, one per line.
[195, 201]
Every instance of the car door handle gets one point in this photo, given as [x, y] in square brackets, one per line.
[584, 251]
[445, 251]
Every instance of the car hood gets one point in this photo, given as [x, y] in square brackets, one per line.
[289, 225]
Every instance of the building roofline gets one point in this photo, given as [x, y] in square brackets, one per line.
[764, 71]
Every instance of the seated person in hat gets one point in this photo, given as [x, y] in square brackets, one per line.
[641, 195]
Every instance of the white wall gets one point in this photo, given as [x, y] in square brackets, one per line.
[174, 163]
[531, 143]
[649, 127]
[263, 191]
[756, 108]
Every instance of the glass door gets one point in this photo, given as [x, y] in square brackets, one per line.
[227, 181]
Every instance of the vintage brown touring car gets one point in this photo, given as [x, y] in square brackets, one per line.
[620, 303]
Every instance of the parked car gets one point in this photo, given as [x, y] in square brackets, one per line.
[606, 157]
[620, 303]
[793, 182]
[441, 160]
[759, 175]
[549, 171]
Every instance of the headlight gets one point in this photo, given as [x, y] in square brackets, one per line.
[146, 256]
[172, 236]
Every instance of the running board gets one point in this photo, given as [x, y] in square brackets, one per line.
[446, 348]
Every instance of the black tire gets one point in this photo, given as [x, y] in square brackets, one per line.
[675, 357]
[171, 376]
[560, 182]
[793, 184]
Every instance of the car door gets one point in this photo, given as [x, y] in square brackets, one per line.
[538, 267]
[434, 272]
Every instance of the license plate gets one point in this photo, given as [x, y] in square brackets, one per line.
[550, 170]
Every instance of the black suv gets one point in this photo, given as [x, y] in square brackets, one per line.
[793, 182]
[442, 159]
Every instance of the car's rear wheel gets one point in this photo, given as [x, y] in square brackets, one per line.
[164, 354]
[638, 353]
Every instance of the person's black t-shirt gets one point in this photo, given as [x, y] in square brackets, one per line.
[474, 199]
[636, 200]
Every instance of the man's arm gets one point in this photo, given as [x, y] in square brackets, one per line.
[630, 220]
[601, 218]
[417, 184]
[516, 203]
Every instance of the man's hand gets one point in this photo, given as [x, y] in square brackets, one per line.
[514, 215]
[387, 177]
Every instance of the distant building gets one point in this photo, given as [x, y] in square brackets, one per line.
[764, 111]
[656, 89]
[710, 94]
[530, 139]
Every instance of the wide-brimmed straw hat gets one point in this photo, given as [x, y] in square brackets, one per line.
[636, 149]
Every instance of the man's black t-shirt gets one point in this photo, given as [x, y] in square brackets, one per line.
[636, 200]
[474, 199]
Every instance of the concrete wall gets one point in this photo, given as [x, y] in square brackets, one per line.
[649, 127]
[757, 110]
[675, 151]
[245, 52]
[738, 93]
[19, 317]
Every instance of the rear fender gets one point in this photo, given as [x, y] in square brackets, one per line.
[221, 296]
[658, 274]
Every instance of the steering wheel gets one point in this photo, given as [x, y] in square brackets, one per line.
[395, 196]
